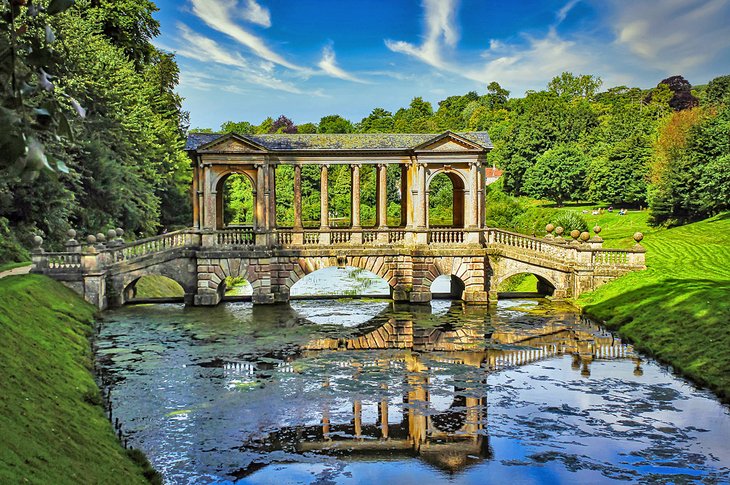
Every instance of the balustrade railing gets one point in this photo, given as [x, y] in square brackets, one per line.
[611, 257]
[311, 238]
[236, 237]
[396, 237]
[340, 237]
[284, 237]
[369, 236]
[445, 236]
[150, 245]
[62, 262]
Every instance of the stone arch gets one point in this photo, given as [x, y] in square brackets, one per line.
[459, 184]
[123, 284]
[559, 281]
[218, 186]
[222, 268]
[452, 266]
[306, 265]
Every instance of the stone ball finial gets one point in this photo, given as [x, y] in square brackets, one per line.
[91, 239]
[550, 228]
[101, 237]
[584, 236]
[559, 230]
[120, 232]
[37, 242]
[638, 237]
[111, 234]
[597, 229]
[71, 233]
[575, 233]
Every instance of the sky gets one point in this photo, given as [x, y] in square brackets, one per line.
[244, 60]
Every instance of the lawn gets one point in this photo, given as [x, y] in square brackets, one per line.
[53, 428]
[678, 310]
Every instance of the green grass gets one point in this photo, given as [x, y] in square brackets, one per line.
[52, 426]
[9, 266]
[678, 310]
[154, 286]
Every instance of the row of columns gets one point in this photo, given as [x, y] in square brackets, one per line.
[381, 200]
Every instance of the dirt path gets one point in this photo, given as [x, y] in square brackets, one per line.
[15, 271]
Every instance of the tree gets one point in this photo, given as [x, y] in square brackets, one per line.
[496, 96]
[571, 86]
[378, 121]
[283, 125]
[240, 127]
[559, 174]
[718, 90]
[335, 124]
[307, 128]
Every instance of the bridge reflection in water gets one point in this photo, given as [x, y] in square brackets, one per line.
[421, 402]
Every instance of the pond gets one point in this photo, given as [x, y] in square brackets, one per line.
[366, 391]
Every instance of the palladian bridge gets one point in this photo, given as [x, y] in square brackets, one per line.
[409, 256]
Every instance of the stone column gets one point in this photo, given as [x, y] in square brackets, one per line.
[324, 208]
[421, 210]
[381, 197]
[196, 199]
[298, 197]
[355, 212]
[404, 195]
[272, 196]
[471, 221]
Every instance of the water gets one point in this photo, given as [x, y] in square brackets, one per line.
[361, 391]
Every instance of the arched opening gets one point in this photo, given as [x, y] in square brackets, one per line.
[446, 200]
[236, 201]
[447, 287]
[339, 196]
[153, 288]
[336, 281]
[525, 284]
[237, 287]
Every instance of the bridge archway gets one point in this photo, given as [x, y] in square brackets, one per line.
[304, 266]
[549, 282]
[445, 190]
[466, 275]
[235, 199]
[153, 286]
[527, 283]
[449, 287]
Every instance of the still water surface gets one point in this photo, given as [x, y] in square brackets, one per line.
[358, 391]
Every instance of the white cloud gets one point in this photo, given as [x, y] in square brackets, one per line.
[198, 47]
[203, 49]
[440, 27]
[329, 66]
[565, 10]
[256, 14]
[219, 15]
[672, 35]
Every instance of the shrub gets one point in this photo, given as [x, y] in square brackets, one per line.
[570, 220]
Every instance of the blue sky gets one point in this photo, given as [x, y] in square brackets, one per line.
[244, 60]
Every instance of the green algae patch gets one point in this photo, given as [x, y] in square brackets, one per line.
[678, 310]
[53, 428]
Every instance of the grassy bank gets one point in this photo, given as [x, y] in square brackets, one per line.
[52, 426]
[9, 266]
[154, 286]
[678, 310]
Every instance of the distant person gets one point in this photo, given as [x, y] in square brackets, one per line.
[622, 212]
[610, 208]
[595, 212]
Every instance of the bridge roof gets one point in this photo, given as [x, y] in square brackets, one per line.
[339, 141]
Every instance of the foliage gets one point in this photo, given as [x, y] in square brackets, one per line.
[558, 174]
[125, 164]
[571, 86]
[52, 428]
[570, 221]
[335, 124]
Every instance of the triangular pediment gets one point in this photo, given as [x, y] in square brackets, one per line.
[232, 143]
[449, 142]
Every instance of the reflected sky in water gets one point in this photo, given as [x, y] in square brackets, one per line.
[364, 391]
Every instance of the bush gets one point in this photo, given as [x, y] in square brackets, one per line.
[10, 249]
[570, 220]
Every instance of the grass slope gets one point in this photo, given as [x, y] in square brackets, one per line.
[9, 266]
[52, 426]
[154, 286]
[678, 310]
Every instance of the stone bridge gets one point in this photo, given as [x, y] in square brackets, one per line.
[409, 254]
[105, 272]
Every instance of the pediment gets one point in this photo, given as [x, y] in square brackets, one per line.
[449, 142]
[232, 143]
